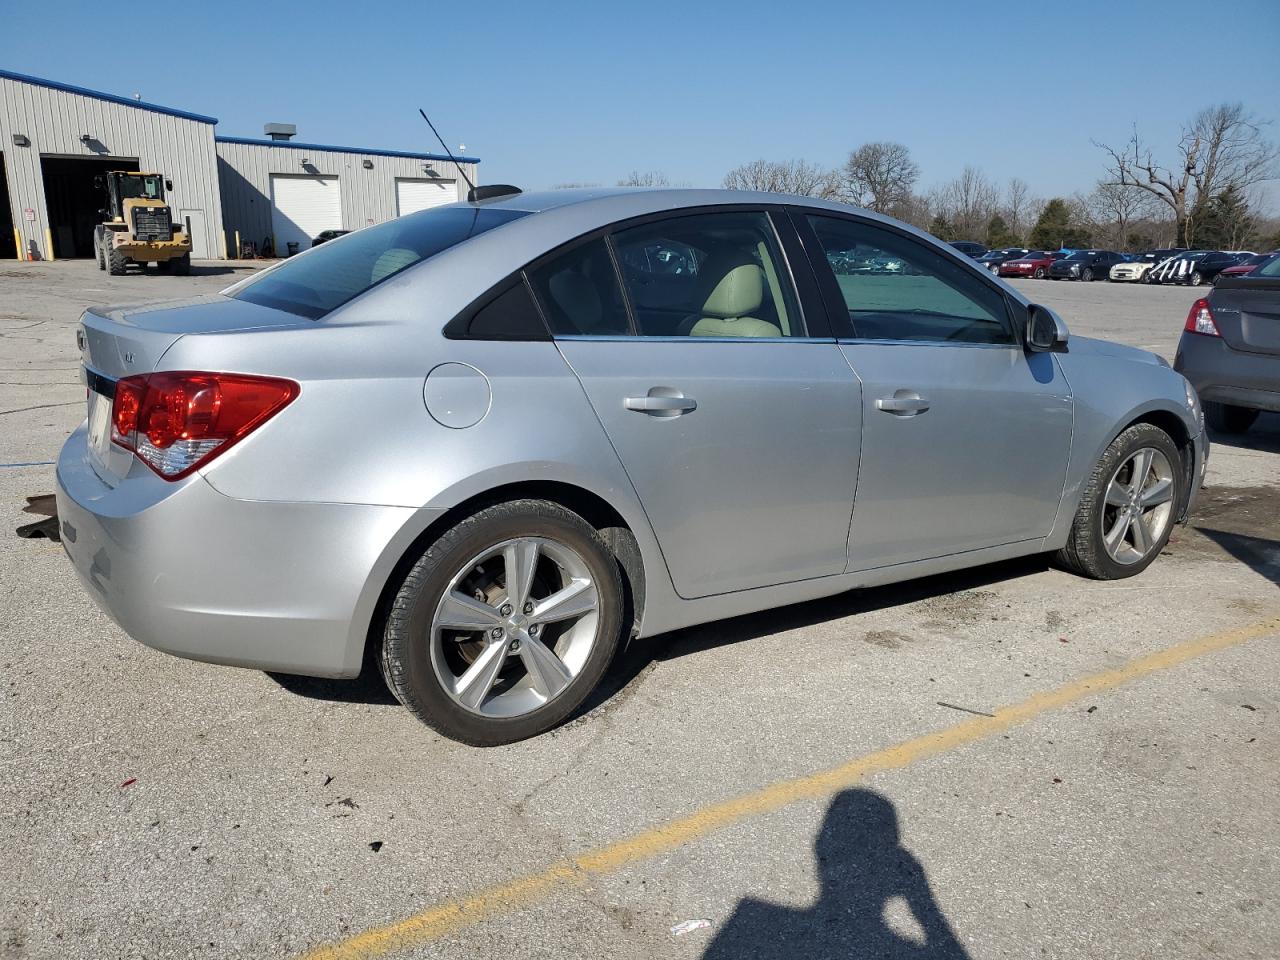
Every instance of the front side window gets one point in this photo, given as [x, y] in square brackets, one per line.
[708, 275]
[914, 293]
[328, 276]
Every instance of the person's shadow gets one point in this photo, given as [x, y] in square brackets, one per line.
[864, 869]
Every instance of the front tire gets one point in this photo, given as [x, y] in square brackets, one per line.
[1087, 276]
[181, 266]
[1225, 418]
[117, 263]
[1197, 278]
[505, 624]
[1039, 274]
[1128, 508]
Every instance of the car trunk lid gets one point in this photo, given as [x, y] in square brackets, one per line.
[128, 340]
[1246, 311]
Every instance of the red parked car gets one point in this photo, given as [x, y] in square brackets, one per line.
[1249, 265]
[1034, 264]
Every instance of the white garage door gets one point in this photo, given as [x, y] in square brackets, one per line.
[415, 195]
[302, 207]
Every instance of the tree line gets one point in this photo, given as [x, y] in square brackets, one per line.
[1201, 195]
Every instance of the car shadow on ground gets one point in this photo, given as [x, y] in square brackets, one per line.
[875, 900]
[641, 654]
[1260, 554]
[1263, 436]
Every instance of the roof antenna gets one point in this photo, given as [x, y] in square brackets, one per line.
[475, 193]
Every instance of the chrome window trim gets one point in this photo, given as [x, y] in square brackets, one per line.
[624, 338]
[851, 341]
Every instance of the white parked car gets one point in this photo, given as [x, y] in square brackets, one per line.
[1134, 271]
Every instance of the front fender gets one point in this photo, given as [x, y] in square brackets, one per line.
[1110, 393]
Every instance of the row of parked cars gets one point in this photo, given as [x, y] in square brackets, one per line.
[1167, 265]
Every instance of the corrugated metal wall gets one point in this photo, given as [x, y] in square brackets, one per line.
[368, 195]
[54, 121]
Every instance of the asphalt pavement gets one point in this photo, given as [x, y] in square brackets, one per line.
[1005, 762]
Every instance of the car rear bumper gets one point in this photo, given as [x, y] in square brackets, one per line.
[1223, 375]
[187, 570]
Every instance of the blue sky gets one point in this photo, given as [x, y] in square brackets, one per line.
[590, 91]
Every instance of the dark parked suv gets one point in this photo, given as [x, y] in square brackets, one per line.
[1230, 349]
[1195, 267]
[1085, 265]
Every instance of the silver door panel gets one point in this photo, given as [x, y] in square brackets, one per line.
[965, 446]
[744, 454]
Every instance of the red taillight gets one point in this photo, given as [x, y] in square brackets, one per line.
[1200, 319]
[177, 421]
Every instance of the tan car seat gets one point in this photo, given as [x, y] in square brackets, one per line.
[738, 293]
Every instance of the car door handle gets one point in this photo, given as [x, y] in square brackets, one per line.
[669, 403]
[903, 403]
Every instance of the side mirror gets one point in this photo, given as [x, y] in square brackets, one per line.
[1046, 333]
[168, 184]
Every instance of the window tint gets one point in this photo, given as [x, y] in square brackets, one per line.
[708, 275]
[579, 292]
[511, 315]
[896, 288]
[330, 275]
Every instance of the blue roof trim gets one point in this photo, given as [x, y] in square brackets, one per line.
[109, 97]
[371, 151]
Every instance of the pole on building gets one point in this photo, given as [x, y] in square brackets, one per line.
[17, 242]
[48, 239]
[237, 245]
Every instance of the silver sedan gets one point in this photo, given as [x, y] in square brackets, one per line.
[485, 444]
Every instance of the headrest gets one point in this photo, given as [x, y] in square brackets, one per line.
[740, 287]
[397, 258]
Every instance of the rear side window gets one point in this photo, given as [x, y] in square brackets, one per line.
[510, 315]
[580, 293]
[896, 288]
[330, 275]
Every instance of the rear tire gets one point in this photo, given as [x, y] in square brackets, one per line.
[117, 263]
[97, 252]
[1225, 418]
[181, 266]
[1086, 551]
[422, 650]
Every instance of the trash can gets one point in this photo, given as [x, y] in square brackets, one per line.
[292, 247]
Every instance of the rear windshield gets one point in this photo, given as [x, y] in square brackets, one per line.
[1271, 269]
[330, 275]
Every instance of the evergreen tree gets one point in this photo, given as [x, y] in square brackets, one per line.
[1054, 229]
[999, 234]
[1224, 223]
[942, 228]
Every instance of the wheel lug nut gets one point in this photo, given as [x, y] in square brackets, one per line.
[528, 609]
[515, 646]
[496, 633]
[506, 610]
[533, 630]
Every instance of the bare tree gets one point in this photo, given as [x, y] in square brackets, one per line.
[1111, 210]
[794, 176]
[967, 202]
[880, 176]
[1017, 206]
[1222, 147]
[649, 178]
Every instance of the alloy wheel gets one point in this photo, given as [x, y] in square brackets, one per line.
[1139, 506]
[515, 626]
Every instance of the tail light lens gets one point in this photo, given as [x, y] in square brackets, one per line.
[177, 421]
[1200, 319]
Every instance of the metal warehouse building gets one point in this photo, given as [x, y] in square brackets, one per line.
[55, 139]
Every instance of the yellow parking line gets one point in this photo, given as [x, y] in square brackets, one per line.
[453, 915]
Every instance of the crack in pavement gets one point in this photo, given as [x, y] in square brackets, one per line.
[43, 406]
